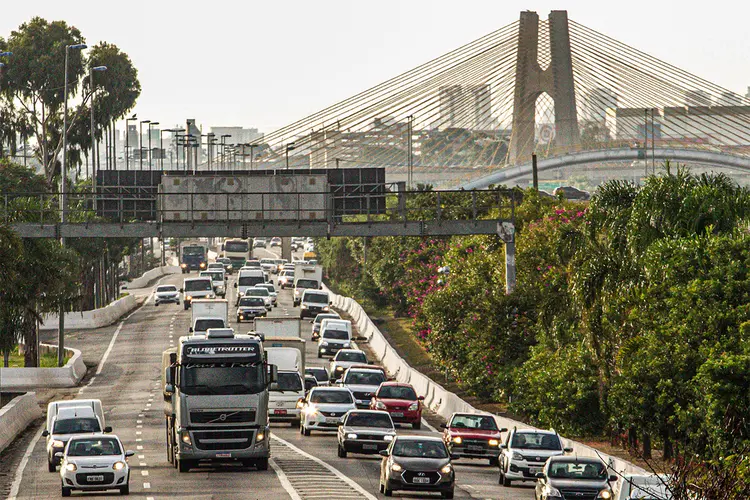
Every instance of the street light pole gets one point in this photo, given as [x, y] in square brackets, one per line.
[63, 201]
[93, 137]
[140, 142]
[289, 147]
[151, 124]
[127, 141]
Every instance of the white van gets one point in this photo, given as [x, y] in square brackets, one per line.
[335, 334]
[197, 288]
[289, 387]
[314, 302]
[248, 278]
[66, 418]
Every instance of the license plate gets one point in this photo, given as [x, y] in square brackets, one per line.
[279, 412]
[223, 455]
[421, 480]
[397, 414]
[369, 447]
[332, 420]
[474, 448]
[95, 479]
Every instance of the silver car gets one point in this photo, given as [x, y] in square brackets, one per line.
[365, 431]
[166, 294]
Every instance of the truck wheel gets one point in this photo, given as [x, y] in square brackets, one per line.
[262, 463]
[183, 465]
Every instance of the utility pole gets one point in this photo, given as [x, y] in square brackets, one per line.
[534, 172]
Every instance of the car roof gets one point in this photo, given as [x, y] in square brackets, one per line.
[332, 388]
[576, 459]
[393, 383]
[415, 437]
[315, 367]
[535, 431]
[94, 436]
[365, 410]
[350, 350]
[364, 369]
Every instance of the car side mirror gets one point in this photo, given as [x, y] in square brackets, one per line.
[129, 453]
[383, 453]
[108, 429]
[182, 290]
[59, 454]
[567, 450]
[273, 374]
[503, 446]
[45, 433]
[540, 475]
[443, 426]
[613, 478]
[169, 389]
[190, 329]
[330, 303]
[320, 287]
[420, 398]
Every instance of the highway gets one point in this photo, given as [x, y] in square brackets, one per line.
[128, 381]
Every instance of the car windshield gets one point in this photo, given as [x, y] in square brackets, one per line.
[193, 251]
[306, 283]
[474, 422]
[215, 276]
[288, 274]
[236, 246]
[251, 301]
[94, 447]
[249, 280]
[202, 325]
[316, 298]
[252, 263]
[269, 287]
[336, 335]
[288, 382]
[267, 261]
[204, 379]
[357, 357]
[198, 285]
[397, 392]
[334, 397]
[419, 449]
[76, 426]
[320, 317]
[224, 260]
[369, 420]
[364, 378]
[320, 374]
[535, 441]
[166, 288]
[257, 292]
[577, 470]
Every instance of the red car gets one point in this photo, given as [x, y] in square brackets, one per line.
[400, 401]
[473, 435]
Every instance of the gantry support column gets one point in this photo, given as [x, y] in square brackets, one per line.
[532, 81]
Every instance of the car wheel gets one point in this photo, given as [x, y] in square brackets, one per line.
[493, 461]
[380, 487]
[507, 482]
[417, 425]
[66, 491]
[156, 304]
[305, 431]
[125, 490]
[342, 452]
[293, 424]
[387, 491]
[262, 463]
[51, 466]
[447, 494]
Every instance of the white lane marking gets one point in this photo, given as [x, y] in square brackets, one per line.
[144, 473]
[138, 433]
[333, 470]
[25, 460]
[142, 464]
[141, 457]
[139, 447]
[284, 481]
[139, 421]
[146, 486]
[427, 424]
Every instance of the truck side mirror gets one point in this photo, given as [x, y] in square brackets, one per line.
[273, 374]
[235, 284]
[168, 376]
[108, 429]
[169, 389]
[45, 433]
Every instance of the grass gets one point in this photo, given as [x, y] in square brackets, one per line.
[45, 360]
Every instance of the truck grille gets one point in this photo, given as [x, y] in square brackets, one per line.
[223, 440]
[219, 417]
[83, 478]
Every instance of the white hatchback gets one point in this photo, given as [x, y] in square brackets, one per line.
[95, 463]
[324, 408]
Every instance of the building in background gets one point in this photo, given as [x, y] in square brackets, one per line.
[238, 135]
[596, 102]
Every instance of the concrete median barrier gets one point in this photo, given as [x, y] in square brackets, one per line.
[437, 398]
[24, 379]
[16, 416]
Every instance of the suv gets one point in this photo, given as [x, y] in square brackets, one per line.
[574, 477]
[524, 453]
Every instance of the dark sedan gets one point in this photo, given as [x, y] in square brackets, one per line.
[574, 477]
[417, 463]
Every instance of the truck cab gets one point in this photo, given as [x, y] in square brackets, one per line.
[216, 389]
[193, 257]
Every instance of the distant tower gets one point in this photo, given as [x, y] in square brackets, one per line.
[532, 81]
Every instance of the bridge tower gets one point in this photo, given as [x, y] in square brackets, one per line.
[531, 81]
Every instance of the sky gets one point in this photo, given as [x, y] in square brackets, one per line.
[267, 64]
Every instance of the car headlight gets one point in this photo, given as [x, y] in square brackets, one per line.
[186, 438]
[324, 344]
[551, 491]
[517, 456]
[118, 465]
[326, 308]
[447, 468]
[606, 494]
[311, 411]
[300, 404]
[183, 266]
[351, 436]
[260, 437]
[71, 467]
[494, 442]
[457, 440]
[203, 264]
[388, 437]
[379, 405]
[396, 468]
[338, 368]
[242, 316]
[189, 297]
[303, 306]
[347, 345]
[414, 407]
[58, 444]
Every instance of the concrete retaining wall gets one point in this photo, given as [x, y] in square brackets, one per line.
[16, 416]
[23, 379]
[96, 318]
[437, 398]
[149, 276]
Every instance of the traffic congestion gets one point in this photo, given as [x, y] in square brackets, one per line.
[265, 353]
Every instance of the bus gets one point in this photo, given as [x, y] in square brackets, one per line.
[237, 251]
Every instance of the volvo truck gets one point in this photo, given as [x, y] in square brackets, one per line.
[216, 389]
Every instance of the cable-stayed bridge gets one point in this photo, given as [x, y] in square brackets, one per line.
[568, 93]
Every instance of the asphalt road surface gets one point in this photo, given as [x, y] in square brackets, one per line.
[126, 361]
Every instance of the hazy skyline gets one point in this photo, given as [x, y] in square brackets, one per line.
[267, 64]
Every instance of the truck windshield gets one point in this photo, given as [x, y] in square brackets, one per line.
[250, 280]
[287, 382]
[202, 325]
[76, 426]
[206, 379]
[199, 285]
[193, 251]
[236, 246]
[316, 298]
[307, 283]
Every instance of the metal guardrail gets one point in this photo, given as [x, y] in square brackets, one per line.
[258, 213]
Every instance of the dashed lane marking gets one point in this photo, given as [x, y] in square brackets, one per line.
[306, 476]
